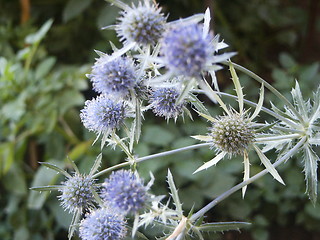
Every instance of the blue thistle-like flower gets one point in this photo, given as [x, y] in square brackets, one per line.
[143, 24]
[232, 134]
[163, 102]
[103, 224]
[125, 191]
[102, 114]
[77, 192]
[115, 77]
[187, 50]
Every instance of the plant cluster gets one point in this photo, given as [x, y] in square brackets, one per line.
[164, 67]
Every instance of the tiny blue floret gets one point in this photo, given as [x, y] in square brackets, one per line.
[115, 77]
[163, 102]
[125, 191]
[102, 114]
[77, 193]
[103, 224]
[186, 50]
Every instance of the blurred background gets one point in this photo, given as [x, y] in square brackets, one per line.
[43, 87]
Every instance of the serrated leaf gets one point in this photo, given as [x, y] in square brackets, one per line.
[198, 104]
[310, 171]
[259, 105]
[212, 162]
[174, 193]
[212, 95]
[299, 102]
[46, 188]
[222, 226]
[185, 91]
[74, 223]
[202, 138]
[237, 85]
[96, 165]
[268, 165]
[246, 174]
[56, 168]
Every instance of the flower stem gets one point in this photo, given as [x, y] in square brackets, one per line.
[232, 190]
[145, 158]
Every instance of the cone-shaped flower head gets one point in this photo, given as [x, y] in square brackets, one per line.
[232, 134]
[102, 113]
[115, 77]
[77, 192]
[163, 102]
[187, 50]
[103, 224]
[143, 24]
[124, 190]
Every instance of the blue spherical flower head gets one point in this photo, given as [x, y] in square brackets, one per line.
[187, 50]
[103, 224]
[125, 191]
[144, 24]
[102, 114]
[115, 77]
[77, 192]
[163, 102]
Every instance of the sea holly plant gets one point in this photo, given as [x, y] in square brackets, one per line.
[163, 67]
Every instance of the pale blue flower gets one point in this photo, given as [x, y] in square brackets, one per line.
[143, 24]
[113, 76]
[103, 224]
[186, 50]
[102, 114]
[125, 191]
[77, 192]
[163, 102]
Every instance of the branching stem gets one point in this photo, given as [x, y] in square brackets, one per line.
[145, 158]
[232, 190]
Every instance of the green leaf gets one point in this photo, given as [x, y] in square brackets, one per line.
[39, 35]
[44, 67]
[222, 226]
[157, 135]
[74, 8]
[6, 157]
[174, 193]
[310, 171]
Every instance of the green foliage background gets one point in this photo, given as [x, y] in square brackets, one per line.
[43, 87]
